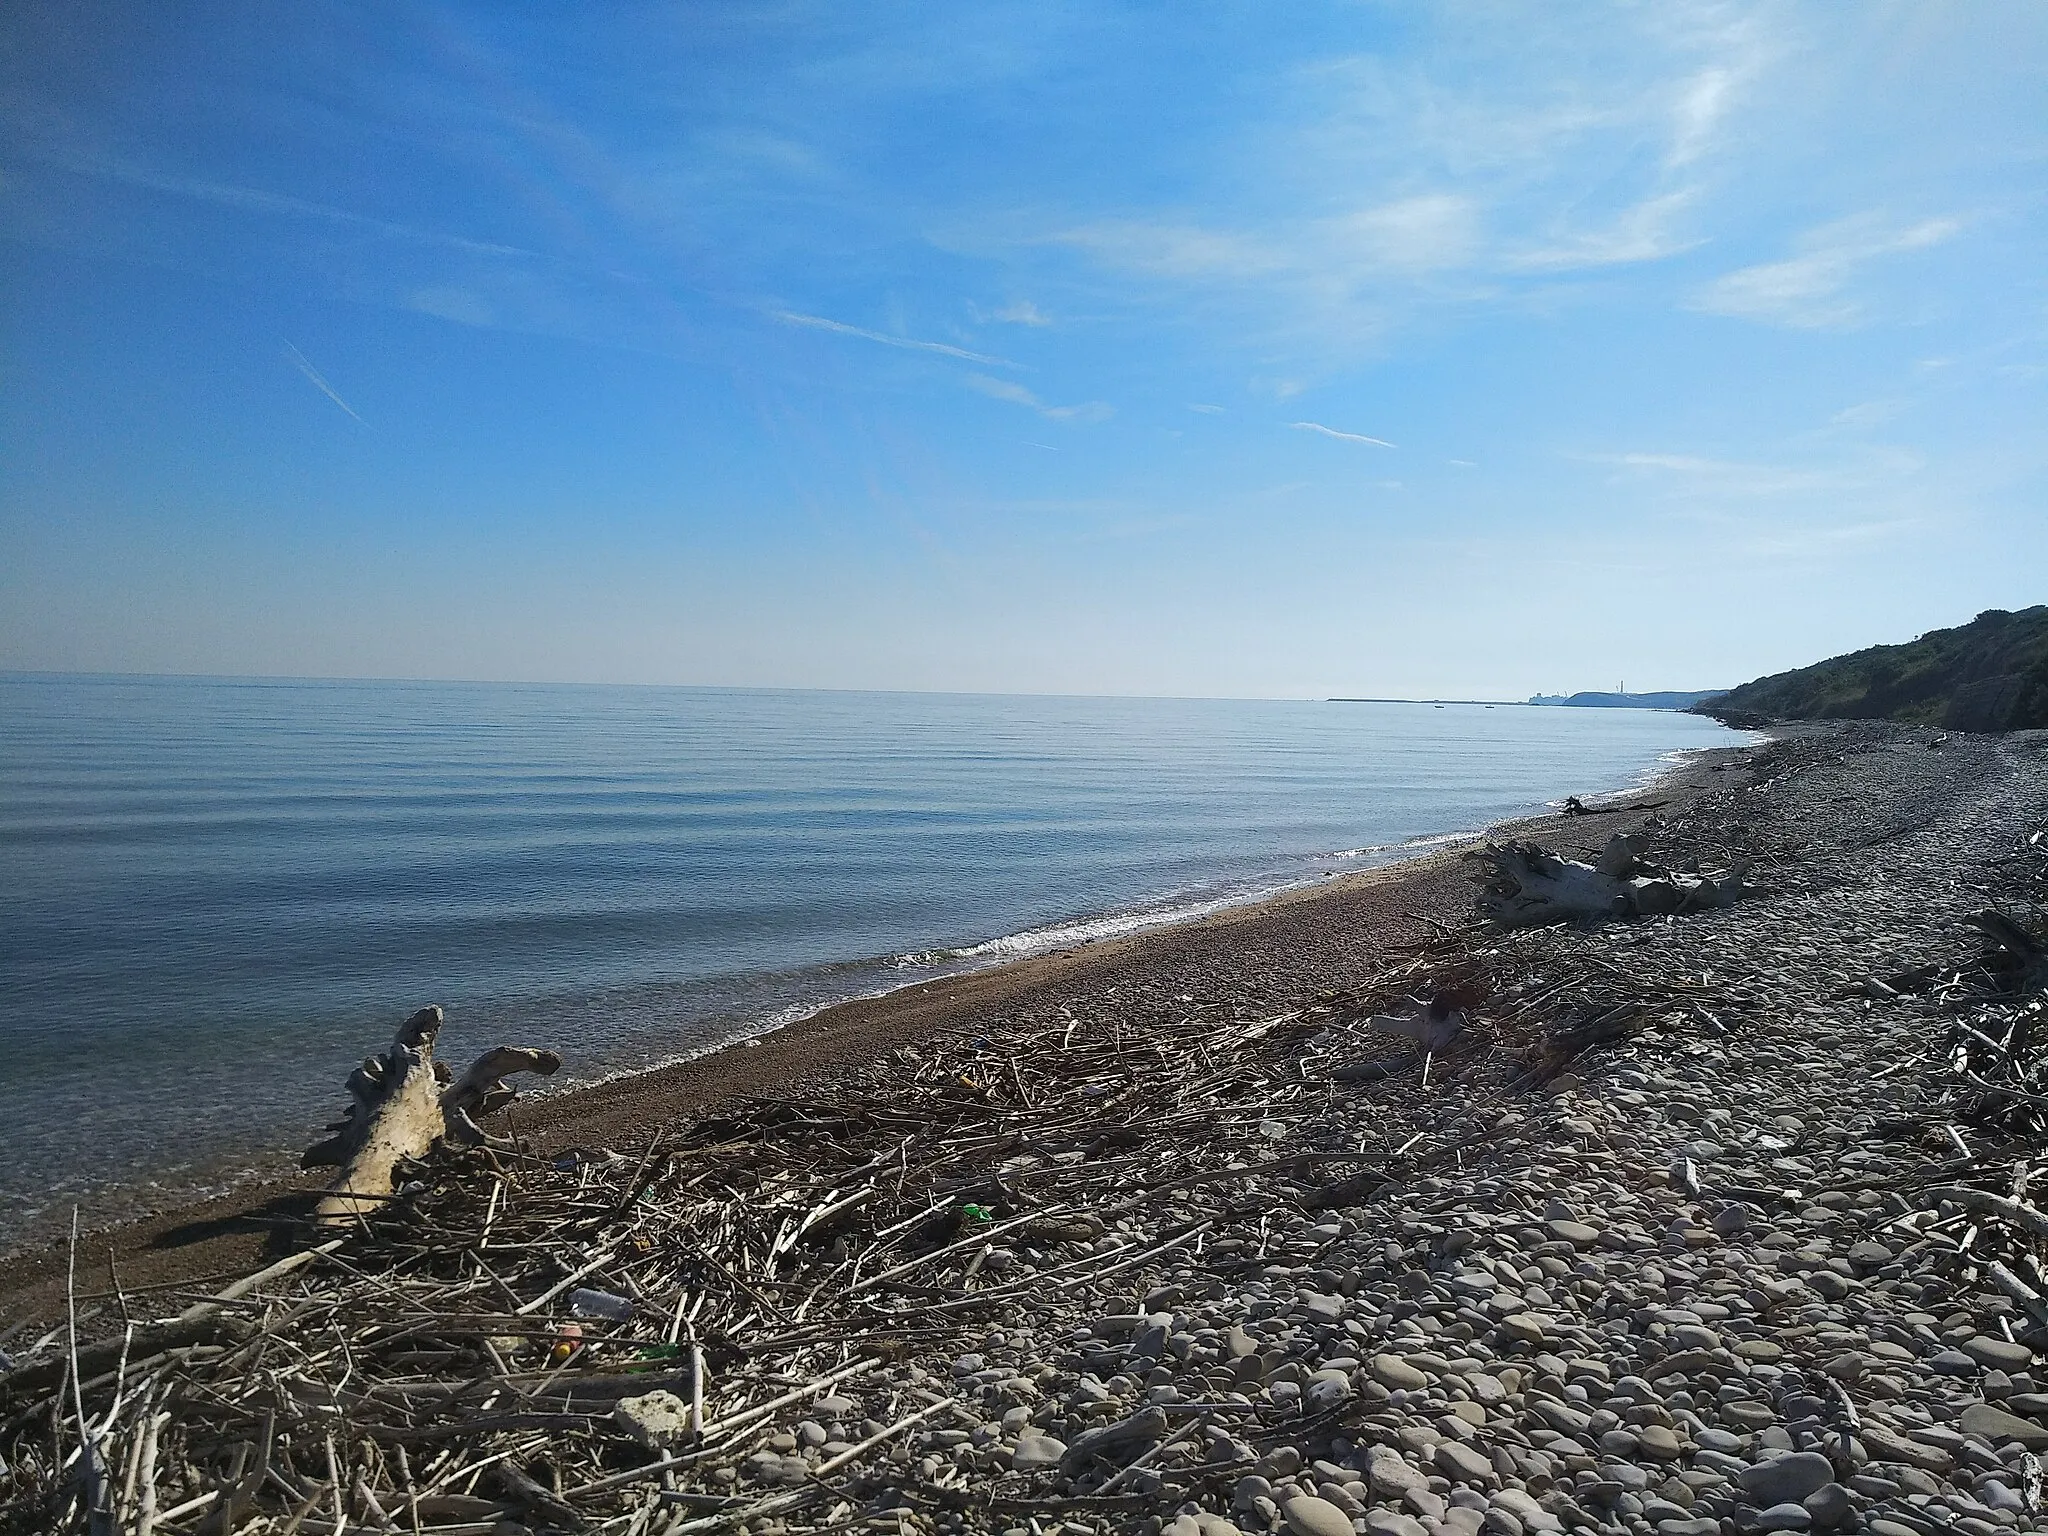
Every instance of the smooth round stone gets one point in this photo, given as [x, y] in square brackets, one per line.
[1699, 1526]
[1389, 1474]
[1530, 1515]
[1566, 1421]
[1997, 1427]
[1830, 1506]
[1869, 1254]
[1326, 1389]
[1486, 1389]
[1782, 1517]
[1787, 1479]
[1852, 1366]
[1525, 1326]
[1997, 1495]
[1249, 1487]
[1731, 1221]
[1421, 1501]
[1461, 1463]
[1393, 1371]
[1998, 1353]
[1629, 1479]
[1577, 1233]
[1312, 1516]
[1035, 1451]
[1659, 1443]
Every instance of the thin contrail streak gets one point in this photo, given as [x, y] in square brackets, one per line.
[908, 343]
[298, 360]
[1349, 437]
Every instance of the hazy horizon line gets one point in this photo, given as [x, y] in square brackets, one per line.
[35, 673]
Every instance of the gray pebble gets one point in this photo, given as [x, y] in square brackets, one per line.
[1787, 1479]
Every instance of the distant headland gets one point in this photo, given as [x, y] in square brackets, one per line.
[1573, 700]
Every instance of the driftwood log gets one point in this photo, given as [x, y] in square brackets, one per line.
[1525, 885]
[403, 1102]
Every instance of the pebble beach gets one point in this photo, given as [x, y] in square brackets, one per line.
[1691, 1231]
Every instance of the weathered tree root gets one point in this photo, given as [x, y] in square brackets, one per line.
[2015, 960]
[1524, 885]
[405, 1101]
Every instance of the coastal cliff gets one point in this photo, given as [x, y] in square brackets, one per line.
[1990, 674]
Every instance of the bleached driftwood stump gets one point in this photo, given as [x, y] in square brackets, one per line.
[403, 1102]
[1525, 885]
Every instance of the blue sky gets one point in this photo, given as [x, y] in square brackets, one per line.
[1192, 349]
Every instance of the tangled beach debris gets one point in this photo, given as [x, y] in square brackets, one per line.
[1702, 1221]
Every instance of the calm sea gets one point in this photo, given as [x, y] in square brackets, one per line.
[216, 896]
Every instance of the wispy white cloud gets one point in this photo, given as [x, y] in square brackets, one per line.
[1696, 474]
[1809, 291]
[1869, 413]
[1819, 538]
[1677, 463]
[1347, 437]
[1208, 410]
[1169, 249]
[1430, 232]
[1017, 312]
[256, 200]
[907, 343]
[1697, 478]
[457, 304]
[1013, 393]
[1387, 187]
[1702, 102]
[1849, 497]
[312, 374]
[1643, 232]
[1403, 237]
[1740, 46]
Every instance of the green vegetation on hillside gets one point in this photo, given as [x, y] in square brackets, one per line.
[1990, 674]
